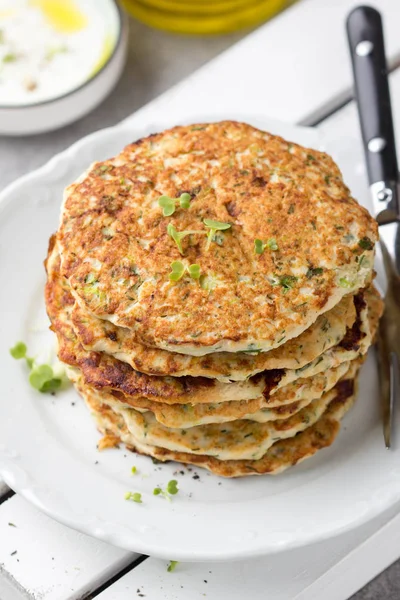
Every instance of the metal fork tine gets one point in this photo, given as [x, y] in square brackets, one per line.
[386, 387]
[394, 382]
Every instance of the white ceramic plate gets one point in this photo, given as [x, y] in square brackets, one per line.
[48, 444]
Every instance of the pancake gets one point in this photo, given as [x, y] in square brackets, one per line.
[237, 440]
[116, 252]
[346, 320]
[287, 401]
[280, 456]
[105, 372]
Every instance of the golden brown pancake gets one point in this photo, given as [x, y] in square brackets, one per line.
[117, 253]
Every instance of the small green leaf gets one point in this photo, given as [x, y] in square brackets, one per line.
[272, 245]
[177, 270]
[194, 271]
[216, 225]
[134, 497]
[157, 491]
[365, 243]
[134, 470]
[40, 375]
[167, 204]
[172, 487]
[51, 386]
[172, 565]
[19, 350]
[184, 200]
[176, 236]
[259, 246]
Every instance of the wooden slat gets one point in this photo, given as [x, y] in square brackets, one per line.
[280, 577]
[50, 561]
[295, 68]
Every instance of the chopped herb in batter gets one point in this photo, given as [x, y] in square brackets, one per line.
[365, 243]
[345, 283]
[312, 272]
[287, 281]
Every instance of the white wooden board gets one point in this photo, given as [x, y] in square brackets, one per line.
[48, 560]
[295, 68]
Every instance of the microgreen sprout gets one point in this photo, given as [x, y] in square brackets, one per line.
[260, 246]
[19, 350]
[170, 490]
[134, 497]
[43, 378]
[178, 236]
[172, 565]
[169, 204]
[214, 226]
[178, 270]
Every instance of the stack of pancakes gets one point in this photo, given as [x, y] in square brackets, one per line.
[246, 363]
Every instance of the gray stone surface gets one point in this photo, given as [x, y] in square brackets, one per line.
[156, 61]
[385, 587]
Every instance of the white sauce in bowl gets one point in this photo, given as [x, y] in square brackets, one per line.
[51, 47]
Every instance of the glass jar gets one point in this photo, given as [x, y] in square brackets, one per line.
[204, 16]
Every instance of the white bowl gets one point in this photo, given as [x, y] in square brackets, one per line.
[39, 117]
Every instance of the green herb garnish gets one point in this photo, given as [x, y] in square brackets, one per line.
[169, 204]
[194, 271]
[365, 243]
[170, 490]
[214, 226]
[172, 487]
[19, 350]
[178, 270]
[41, 377]
[312, 272]
[172, 565]
[134, 497]
[178, 236]
[259, 245]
